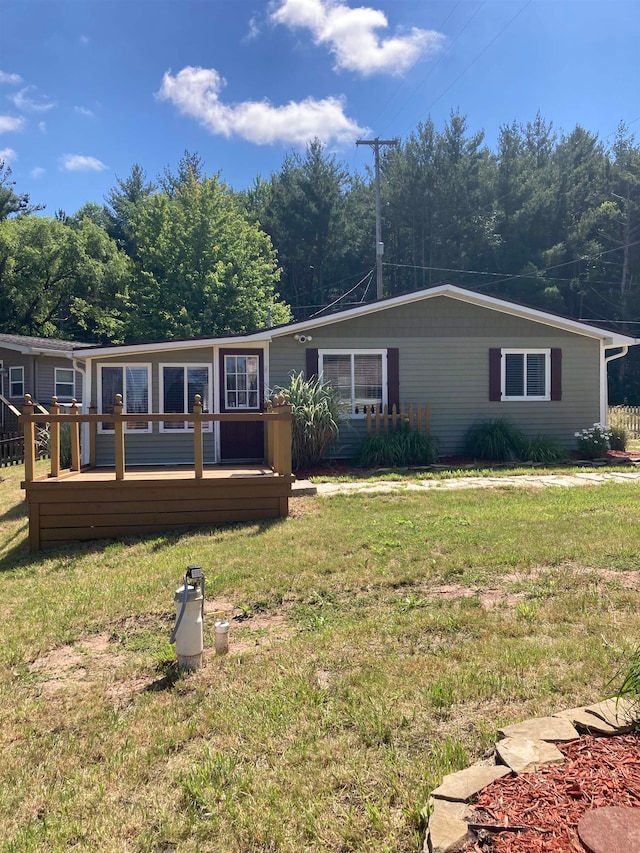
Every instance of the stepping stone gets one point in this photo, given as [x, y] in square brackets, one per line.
[585, 720]
[462, 786]
[613, 829]
[542, 728]
[620, 713]
[447, 829]
[523, 755]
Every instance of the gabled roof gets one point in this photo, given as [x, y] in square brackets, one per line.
[606, 336]
[39, 346]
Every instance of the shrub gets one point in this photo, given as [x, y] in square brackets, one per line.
[498, 441]
[544, 450]
[398, 448]
[593, 442]
[43, 443]
[316, 409]
[618, 438]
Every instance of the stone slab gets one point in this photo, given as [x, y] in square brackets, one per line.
[613, 829]
[542, 728]
[617, 712]
[462, 786]
[585, 720]
[524, 755]
[303, 487]
[447, 829]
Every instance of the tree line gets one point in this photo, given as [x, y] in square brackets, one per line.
[549, 219]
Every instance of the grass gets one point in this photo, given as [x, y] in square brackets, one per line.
[366, 664]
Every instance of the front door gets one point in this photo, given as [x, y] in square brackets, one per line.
[241, 391]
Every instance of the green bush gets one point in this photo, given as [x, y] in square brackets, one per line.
[398, 448]
[316, 409]
[593, 442]
[497, 441]
[618, 438]
[544, 450]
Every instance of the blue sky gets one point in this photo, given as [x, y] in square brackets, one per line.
[90, 87]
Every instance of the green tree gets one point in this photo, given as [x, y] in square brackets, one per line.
[11, 202]
[201, 268]
[59, 281]
[122, 203]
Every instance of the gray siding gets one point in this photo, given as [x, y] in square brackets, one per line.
[156, 448]
[444, 361]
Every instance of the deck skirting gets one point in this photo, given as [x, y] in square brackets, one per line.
[78, 508]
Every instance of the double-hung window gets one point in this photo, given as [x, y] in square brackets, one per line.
[526, 374]
[16, 381]
[133, 382]
[64, 383]
[179, 385]
[360, 377]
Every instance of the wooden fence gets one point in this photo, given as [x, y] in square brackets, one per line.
[11, 449]
[415, 416]
[627, 417]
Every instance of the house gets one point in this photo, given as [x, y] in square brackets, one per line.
[467, 355]
[42, 367]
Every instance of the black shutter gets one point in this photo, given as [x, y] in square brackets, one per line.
[495, 365]
[312, 362]
[556, 373]
[393, 377]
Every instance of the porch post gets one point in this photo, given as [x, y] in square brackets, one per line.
[118, 430]
[54, 433]
[198, 455]
[29, 440]
[74, 427]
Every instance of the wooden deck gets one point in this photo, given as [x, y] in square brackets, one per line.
[100, 503]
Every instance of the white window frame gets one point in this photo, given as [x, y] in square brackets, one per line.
[187, 426]
[13, 382]
[225, 390]
[353, 352]
[56, 382]
[529, 398]
[123, 366]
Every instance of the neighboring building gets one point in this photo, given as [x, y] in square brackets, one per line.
[42, 367]
[467, 355]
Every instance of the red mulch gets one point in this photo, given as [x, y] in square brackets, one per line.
[598, 771]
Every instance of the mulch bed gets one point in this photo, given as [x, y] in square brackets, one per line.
[542, 809]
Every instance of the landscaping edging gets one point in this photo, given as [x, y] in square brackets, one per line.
[521, 748]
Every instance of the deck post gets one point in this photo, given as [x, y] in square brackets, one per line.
[29, 440]
[54, 439]
[198, 455]
[93, 431]
[282, 461]
[118, 430]
[74, 427]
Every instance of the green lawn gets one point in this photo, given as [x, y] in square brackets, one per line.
[381, 641]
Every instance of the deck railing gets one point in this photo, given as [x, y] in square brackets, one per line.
[416, 416]
[276, 420]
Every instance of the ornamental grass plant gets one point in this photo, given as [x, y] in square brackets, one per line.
[496, 440]
[316, 409]
[398, 448]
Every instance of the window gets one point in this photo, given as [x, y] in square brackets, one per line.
[241, 381]
[180, 384]
[132, 381]
[16, 381]
[526, 375]
[65, 383]
[360, 376]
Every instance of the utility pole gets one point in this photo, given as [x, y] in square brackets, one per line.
[376, 144]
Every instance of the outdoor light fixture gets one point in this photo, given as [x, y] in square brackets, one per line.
[303, 339]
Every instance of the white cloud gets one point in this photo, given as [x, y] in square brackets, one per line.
[14, 79]
[7, 155]
[351, 36]
[195, 92]
[38, 172]
[81, 163]
[28, 99]
[9, 123]
[42, 126]
[84, 111]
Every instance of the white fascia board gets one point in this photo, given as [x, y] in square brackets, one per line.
[26, 350]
